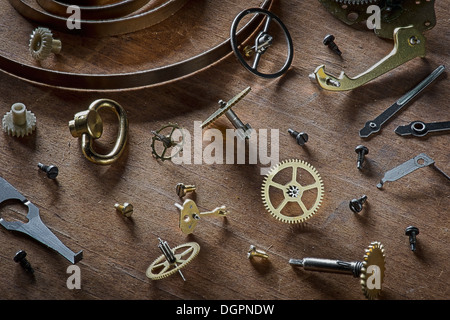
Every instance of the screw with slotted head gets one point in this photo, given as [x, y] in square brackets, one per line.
[361, 151]
[253, 252]
[329, 42]
[20, 258]
[126, 209]
[412, 232]
[183, 189]
[300, 137]
[51, 170]
[356, 205]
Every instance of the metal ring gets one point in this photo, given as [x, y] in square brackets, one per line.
[128, 80]
[235, 46]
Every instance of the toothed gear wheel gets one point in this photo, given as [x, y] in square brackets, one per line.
[225, 107]
[19, 122]
[41, 44]
[357, 2]
[374, 256]
[167, 142]
[184, 254]
[293, 191]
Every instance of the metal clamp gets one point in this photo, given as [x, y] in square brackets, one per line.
[89, 126]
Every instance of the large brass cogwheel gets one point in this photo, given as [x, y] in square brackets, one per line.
[294, 191]
[161, 268]
[374, 256]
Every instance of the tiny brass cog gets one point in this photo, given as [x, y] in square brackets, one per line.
[374, 256]
[184, 254]
[292, 191]
[42, 44]
[19, 121]
[224, 107]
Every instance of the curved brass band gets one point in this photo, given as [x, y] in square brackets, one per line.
[107, 11]
[101, 28]
[122, 137]
[130, 80]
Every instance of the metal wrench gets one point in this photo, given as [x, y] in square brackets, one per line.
[34, 228]
[375, 125]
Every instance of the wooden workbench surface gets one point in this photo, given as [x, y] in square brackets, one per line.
[78, 207]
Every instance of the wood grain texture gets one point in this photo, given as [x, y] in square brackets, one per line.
[79, 206]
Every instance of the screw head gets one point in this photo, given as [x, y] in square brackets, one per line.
[356, 205]
[20, 255]
[126, 209]
[362, 149]
[329, 38]
[410, 230]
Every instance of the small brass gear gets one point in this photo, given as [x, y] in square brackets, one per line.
[19, 121]
[374, 256]
[224, 107]
[184, 254]
[292, 191]
[42, 44]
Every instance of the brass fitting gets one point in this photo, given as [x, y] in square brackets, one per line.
[126, 209]
[89, 126]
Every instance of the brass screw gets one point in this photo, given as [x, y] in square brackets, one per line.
[253, 252]
[182, 189]
[126, 209]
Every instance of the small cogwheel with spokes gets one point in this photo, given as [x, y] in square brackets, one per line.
[162, 141]
[295, 191]
[172, 260]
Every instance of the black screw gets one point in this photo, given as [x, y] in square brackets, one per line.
[329, 42]
[301, 137]
[20, 258]
[412, 232]
[356, 205]
[361, 151]
[51, 170]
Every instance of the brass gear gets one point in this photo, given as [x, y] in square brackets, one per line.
[19, 122]
[224, 107]
[374, 256]
[292, 191]
[42, 44]
[161, 268]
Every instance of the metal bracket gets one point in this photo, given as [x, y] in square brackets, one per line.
[190, 215]
[419, 161]
[34, 228]
[409, 43]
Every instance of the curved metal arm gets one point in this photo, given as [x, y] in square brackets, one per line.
[408, 44]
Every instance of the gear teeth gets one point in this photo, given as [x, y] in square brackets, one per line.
[374, 248]
[196, 249]
[16, 130]
[294, 163]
